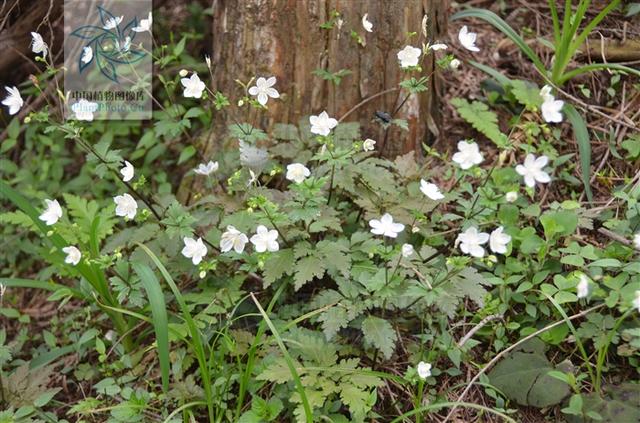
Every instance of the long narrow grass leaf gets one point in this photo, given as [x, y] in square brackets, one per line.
[584, 146]
[502, 79]
[440, 405]
[290, 363]
[159, 318]
[595, 67]
[196, 339]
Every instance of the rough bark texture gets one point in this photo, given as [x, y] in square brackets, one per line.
[283, 38]
[17, 19]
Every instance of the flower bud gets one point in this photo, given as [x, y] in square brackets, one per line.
[511, 196]
[183, 72]
[455, 64]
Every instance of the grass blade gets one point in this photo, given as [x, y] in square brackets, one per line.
[578, 340]
[584, 146]
[196, 339]
[292, 368]
[502, 79]
[503, 27]
[159, 318]
[30, 283]
[595, 67]
[439, 405]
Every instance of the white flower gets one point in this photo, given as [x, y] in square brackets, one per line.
[193, 87]
[126, 206]
[296, 172]
[265, 239]
[206, 168]
[385, 226]
[73, 255]
[636, 240]
[498, 240]
[430, 190]
[471, 241]
[455, 64]
[52, 213]
[145, 25]
[438, 46]
[127, 171]
[468, 155]
[87, 54]
[322, 124]
[551, 110]
[545, 93]
[113, 22]
[407, 250]
[233, 238]
[369, 145]
[468, 39]
[38, 45]
[511, 196]
[84, 109]
[252, 177]
[583, 287]
[263, 90]
[636, 301]
[194, 249]
[368, 26]
[532, 171]
[409, 56]
[424, 370]
[13, 100]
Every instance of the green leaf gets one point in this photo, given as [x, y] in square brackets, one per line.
[379, 333]
[523, 377]
[584, 146]
[527, 94]
[44, 399]
[306, 269]
[333, 320]
[186, 154]
[561, 223]
[278, 264]
[482, 119]
[159, 318]
[632, 145]
[196, 338]
[289, 361]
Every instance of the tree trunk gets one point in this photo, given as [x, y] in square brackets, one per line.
[284, 38]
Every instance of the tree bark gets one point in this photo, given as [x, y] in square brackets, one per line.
[284, 38]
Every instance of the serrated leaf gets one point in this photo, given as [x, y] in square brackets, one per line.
[482, 119]
[333, 320]
[278, 264]
[527, 94]
[307, 268]
[379, 333]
